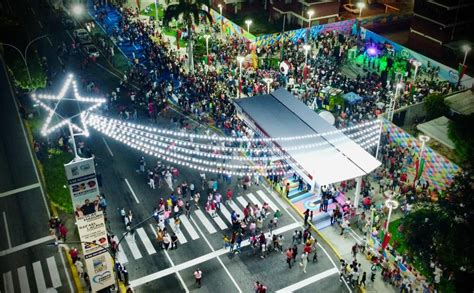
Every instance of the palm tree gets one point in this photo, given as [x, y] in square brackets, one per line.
[190, 11]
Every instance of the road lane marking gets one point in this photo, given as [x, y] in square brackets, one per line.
[131, 190]
[26, 245]
[122, 258]
[8, 282]
[9, 241]
[25, 137]
[132, 245]
[39, 278]
[60, 61]
[189, 227]
[66, 272]
[108, 148]
[41, 25]
[53, 272]
[242, 201]
[179, 234]
[220, 222]
[310, 280]
[266, 199]
[21, 189]
[23, 277]
[201, 259]
[226, 213]
[204, 221]
[32, 10]
[254, 200]
[236, 208]
[218, 258]
[49, 41]
[146, 241]
[171, 262]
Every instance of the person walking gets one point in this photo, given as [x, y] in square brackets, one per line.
[174, 241]
[125, 275]
[198, 277]
[295, 253]
[79, 267]
[63, 232]
[289, 256]
[362, 280]
[304, 261]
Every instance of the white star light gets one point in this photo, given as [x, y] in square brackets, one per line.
[82, 129]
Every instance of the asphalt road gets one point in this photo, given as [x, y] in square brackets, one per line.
[152, 269]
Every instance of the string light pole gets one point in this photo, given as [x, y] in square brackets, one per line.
[417, 64]
[268, 81]
[240, 59]
[310, 15]
[248, 22]
[24, 54]
[361, 6]
[393, 99]
[207, 37]
[222, 19]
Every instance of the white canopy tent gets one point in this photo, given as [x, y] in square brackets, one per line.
[280, 114]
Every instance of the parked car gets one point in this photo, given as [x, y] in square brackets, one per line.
[91, 50]
[82, 36]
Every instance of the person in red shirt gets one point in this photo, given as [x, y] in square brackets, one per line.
[229, 195]
[367, 202]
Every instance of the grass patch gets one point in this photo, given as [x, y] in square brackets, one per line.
[55, 177]
[150, 11]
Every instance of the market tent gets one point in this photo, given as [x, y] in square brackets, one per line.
[352, 98]
[280, 114]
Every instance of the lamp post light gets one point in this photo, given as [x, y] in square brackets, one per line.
[361, 6]
[77, 9]
[466, 49]
[207, 51]
[222, 17]
[24, 54]
[268, 81]
[310, 16]
[424, 139]
[156, 16]
[240, 59]
[417, 64]
[391, 204]
[306, 49]
[248, 22]
[391, 107]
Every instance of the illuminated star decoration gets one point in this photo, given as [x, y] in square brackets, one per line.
[82, 128]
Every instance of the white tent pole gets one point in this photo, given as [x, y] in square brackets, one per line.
[357, 191]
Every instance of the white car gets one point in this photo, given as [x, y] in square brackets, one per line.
[90, 50]
[82, 35]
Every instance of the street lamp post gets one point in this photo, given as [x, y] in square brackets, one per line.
[391, 107]
[268, 81]
[207, 51]
[306, 51]
[156, 16]
[310, 15]
[25, 54]
[240, 59]
[248, 22]
[466, 49]
[361, 6]
[222, 17]
[391, 205]
[417, 64]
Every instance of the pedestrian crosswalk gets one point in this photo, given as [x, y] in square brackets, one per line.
[45, 275]
[143, 242]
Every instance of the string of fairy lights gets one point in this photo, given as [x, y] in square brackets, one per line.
[190, 154]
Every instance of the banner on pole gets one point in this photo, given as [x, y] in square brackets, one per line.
[99, 262]
[83, 186]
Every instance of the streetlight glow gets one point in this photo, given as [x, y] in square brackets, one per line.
[77, 9]
[248, 22]
[361, 6]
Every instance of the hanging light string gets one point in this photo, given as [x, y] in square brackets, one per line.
[214, 137]
[124, 125]
[141, 143]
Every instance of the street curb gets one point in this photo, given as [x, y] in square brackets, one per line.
[75, 277]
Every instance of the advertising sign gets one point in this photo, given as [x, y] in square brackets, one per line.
[83, 186]
[100, 268]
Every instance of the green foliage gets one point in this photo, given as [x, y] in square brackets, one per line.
[435, 106]
[437, 232]
[461, 132]
[189, 10]
[17, 69]
[55, 177]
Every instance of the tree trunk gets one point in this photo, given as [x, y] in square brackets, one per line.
[190, 50]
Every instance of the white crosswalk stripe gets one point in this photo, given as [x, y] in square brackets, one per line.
[225, 212]
[53, 272]
[205, 222]
[236, 208]
[179, 234]
[146, 241]
[254, 200]
[266, 199]
[8, 282]
[24, 285]
[242, 201]
[39, 278]
[189, 227]
[132, 245]
[220, 222]
[121, 257]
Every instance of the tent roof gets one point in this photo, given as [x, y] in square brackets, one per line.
[438, 130]
[280, 114]
[352, 98]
